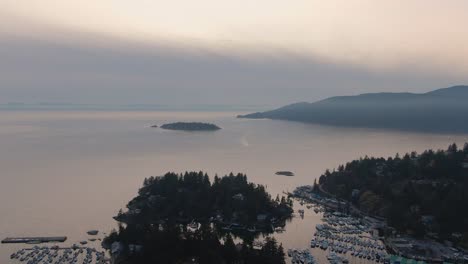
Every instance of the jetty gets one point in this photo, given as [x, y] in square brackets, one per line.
[34, 239]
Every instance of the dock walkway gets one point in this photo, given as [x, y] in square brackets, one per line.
[34, 239]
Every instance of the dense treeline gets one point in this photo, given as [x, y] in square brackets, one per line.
[191, 197]
[172, 245]
[203, 246]
[423, 194]
[180, 217]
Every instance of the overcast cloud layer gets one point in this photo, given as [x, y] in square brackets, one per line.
[220, 52]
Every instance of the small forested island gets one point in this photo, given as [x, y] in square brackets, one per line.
[285, 173]
[186, 218]
[191, 126]
[423, 195]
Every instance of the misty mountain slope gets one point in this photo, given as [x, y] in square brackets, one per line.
[443, 110]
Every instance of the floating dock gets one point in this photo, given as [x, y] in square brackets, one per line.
[34, 239]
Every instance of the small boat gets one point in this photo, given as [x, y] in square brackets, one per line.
[92, 232]
[332, 256]
[313, 244]
[324, 245]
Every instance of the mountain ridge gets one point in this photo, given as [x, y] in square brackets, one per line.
[442, 110]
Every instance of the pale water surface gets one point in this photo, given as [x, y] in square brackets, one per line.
[63, 173]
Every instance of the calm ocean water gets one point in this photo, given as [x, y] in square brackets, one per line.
[63, 173]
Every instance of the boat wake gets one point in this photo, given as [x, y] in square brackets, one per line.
[244, 141]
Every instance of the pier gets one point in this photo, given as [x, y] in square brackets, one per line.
[34, 239]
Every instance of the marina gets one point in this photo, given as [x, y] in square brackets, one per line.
[344, 235]
[301, 256]
[340, 239]
[335, 237]
[346, 238]
[59, 255]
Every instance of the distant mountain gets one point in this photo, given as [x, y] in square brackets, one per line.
[443, 110]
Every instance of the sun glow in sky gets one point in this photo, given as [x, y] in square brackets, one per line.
[426, 36]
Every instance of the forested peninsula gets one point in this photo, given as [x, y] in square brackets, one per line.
[179, 218]
[442, 111]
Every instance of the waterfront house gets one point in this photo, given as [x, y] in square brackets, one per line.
[355, 195]
[261, 217]
[117, 248]
[465, 163]
[428, 221]
[239, 197]
[135, 249]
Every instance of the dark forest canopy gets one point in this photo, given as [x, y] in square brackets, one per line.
[418, 193]
[443, 110]
[177, 217]
[191, 126]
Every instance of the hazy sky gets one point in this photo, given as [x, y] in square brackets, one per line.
[267, 52]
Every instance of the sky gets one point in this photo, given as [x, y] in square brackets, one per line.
[263, 52]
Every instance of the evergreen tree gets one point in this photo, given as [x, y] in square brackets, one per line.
[230, 251]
